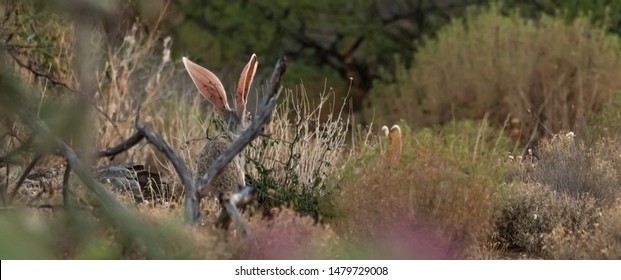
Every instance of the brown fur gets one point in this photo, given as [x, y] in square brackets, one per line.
[231, 177]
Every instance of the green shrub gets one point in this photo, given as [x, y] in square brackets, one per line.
[547, 74]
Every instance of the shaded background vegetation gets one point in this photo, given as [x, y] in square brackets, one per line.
[485, 92]
[356, 45]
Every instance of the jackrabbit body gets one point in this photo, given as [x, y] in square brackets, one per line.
[232, 176]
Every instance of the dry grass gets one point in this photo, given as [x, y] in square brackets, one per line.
[439, 202]
[134, 76]
[306, 147]
[303, 147]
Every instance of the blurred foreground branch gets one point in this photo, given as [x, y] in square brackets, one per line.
[129, 222]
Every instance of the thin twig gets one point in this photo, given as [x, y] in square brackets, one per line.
[108, 118]
[22, 178]
[66, 177]
[31, 68]
[7, 208]
[5, 159]
[126, 145]
[296, 138]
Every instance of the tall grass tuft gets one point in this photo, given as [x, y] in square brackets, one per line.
[307, 146]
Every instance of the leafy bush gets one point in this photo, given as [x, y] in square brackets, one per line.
[546, 74]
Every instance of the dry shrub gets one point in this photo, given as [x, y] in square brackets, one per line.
[547, 74]
[307, 140]
[534, 211]
[306, 146]
[440, 201]
[556, 209]
[284, 234]
[570, 166]
[602, 241]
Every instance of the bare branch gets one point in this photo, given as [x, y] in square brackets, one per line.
[22, 178]
[66, 177]
[39, 74]
[72, 159]
[159, 142]
[126, 145]
[230, 211]
[117, 211]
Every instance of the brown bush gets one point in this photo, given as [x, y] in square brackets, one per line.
[547, 74]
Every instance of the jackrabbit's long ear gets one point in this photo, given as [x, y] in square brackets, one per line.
[243, 86]
[384, 131]
[395, 146]
[208, 85]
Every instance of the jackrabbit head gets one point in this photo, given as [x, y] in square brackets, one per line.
[211, 88]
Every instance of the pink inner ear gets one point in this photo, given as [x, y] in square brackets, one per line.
[208, 85]
[243, 86]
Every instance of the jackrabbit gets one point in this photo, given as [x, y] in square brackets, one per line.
[393, 154]
[232, 177]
